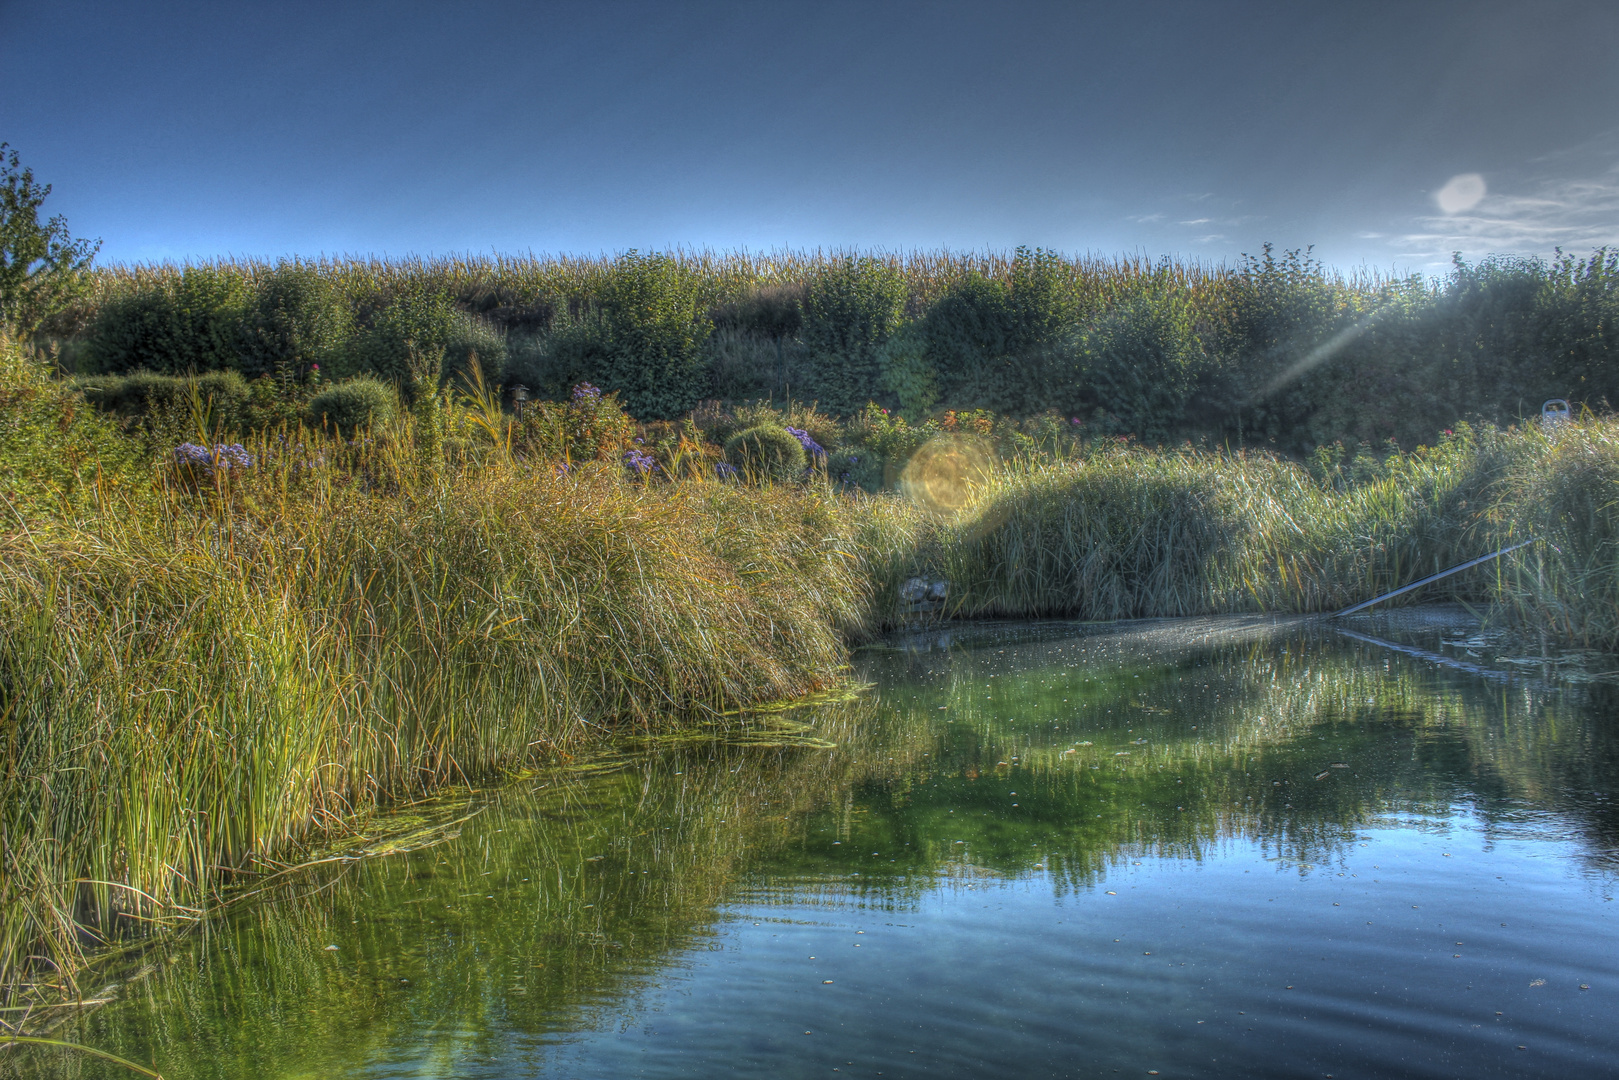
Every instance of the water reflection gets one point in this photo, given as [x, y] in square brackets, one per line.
[1032, 804]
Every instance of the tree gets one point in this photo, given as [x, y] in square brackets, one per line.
[41, 266]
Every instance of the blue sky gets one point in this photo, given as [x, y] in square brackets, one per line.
[1199, 130]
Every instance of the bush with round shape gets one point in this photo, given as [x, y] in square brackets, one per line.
[766, 451]
[354, 404]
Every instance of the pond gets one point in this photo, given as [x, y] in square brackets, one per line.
[1214, 848]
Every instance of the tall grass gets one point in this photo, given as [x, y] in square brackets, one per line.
[192, 681]
[1125, 533]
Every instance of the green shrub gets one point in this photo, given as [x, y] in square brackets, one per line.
[743, 366]
[1276, 313]
[429, 321]
[298, 317]
[909, 374]
[589, 426]
[353, 405]
[646, 339]
[52, 449]
[858, 467]
[766, 451]
[187, 323]
[219, 399]
[1000, 345]
[1139, 365]
[652, 333]
[852, 306]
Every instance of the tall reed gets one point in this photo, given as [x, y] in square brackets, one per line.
[193, 680]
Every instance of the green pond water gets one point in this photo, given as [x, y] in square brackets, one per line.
[1220, 848]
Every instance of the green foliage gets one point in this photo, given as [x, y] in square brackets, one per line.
[52, 448]
[298, 318]
[859, 467]
[909, 374]
[354, 405]
[424, 376]
[766, 451]
[774, 312]
[589, 426]
[42, 268]
[852, 306]
[646, 340]
[968, 347]
[1138, 367]
[427, 322]
[217, 400]
[1000, 344]
[1278, 312]
[1280, 351]
[191, 322]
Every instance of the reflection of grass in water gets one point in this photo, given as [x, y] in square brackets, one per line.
[626, 863]
[1234, 739]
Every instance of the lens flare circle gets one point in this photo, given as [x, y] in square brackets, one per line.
[947, 473]
[1461, 193]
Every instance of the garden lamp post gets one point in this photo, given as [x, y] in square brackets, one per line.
[519, 397]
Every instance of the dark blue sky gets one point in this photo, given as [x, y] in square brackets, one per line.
[1198, 129]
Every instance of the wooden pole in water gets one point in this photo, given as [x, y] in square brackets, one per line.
[1430, 578]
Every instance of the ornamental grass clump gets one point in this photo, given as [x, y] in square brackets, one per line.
[1568, 492]
[1126, 533]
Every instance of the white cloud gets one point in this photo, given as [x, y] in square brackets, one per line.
[1147, 219]
[1198, 221]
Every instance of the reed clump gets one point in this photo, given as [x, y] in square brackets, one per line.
[197, 676]
[1121, 532]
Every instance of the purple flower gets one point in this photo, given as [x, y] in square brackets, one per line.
[810, 446]
[218, 457]
[585, 391]
[640, 462]
[725, 470]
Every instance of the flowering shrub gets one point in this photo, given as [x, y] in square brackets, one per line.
[197, 466]
[221, 457]
[590, 426]
[640, 462]
[811, 447]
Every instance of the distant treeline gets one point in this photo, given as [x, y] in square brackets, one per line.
[1277, 350]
